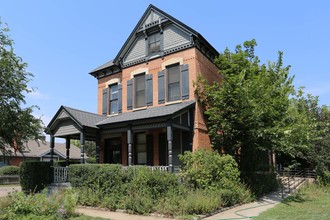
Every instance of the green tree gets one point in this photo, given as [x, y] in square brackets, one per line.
[246, 112]
[310, 137]
[17, 123]
[89, 147]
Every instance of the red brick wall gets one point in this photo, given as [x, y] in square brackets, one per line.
[15, 161]
[198, 65]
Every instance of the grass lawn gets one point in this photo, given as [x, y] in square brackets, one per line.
[311, 202]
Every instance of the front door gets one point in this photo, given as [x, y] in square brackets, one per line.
[112, 149]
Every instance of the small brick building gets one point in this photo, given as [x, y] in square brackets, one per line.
[147, 108]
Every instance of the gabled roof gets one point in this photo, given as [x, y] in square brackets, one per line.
[81, 118]
[130, 40]
[156, 112]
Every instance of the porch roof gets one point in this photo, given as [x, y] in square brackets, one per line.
[149, 113]
[81, 118]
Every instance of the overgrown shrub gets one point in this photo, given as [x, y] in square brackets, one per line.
[138, 189]
[56, 206]
[208, 169]
[9, 170]
[262, 182]
[34, 176]
[109, 185]
[324, 177]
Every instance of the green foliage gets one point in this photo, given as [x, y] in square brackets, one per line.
[207, 169]
[58, 205]
[9, 170]
[324, 177]
[34, 176]
[246, 112]
[256, 110]
[262, 182]
[89, 147]
[17, 124]
[140, 190]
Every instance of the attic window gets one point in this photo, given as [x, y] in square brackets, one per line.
[154, 44]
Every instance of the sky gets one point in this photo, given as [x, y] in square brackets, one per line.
[62, 41]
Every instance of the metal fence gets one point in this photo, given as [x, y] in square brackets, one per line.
[60, 174]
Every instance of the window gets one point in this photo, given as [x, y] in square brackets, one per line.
[141, 148]
[173, 83]
[154, 43]
[112, 151]
[113, 102]
[140, 91]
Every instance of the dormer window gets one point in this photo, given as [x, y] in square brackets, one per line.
[154, 43]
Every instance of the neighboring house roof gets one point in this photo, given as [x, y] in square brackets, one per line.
[161, 111]
[40, 149]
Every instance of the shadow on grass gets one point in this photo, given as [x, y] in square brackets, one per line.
[297, 197]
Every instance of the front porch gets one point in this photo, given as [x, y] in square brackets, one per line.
[152, 137]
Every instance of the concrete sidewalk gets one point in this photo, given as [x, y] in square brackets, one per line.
[5, 190]
[249, 210]
[245, 211]
[115, 215]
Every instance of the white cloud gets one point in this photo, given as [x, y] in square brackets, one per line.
[318, 88]
[37, 95]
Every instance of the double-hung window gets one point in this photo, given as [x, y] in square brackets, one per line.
[173, 83]
[113, 102]
[140, 91]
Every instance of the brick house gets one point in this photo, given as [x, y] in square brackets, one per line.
[147, 109]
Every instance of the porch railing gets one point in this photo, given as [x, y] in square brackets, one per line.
[60, 174]
[160, 168]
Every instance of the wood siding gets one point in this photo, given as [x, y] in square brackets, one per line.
[137, 51]
[66, 128]
[173, 37]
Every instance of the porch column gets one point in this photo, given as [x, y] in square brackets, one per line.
[52, 140]
[82, 147]
[67, 146]
[169, 141]
[129, 143]
[97, 148]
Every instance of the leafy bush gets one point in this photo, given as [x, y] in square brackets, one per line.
[109, 185]
[56, 206]
[262, 182]
[206, 169]
[34, 176]
[9, 170]
[140, 190]
[324, 177]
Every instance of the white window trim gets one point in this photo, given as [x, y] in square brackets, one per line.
[172, 61]
[112, 81]
[139, 71]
